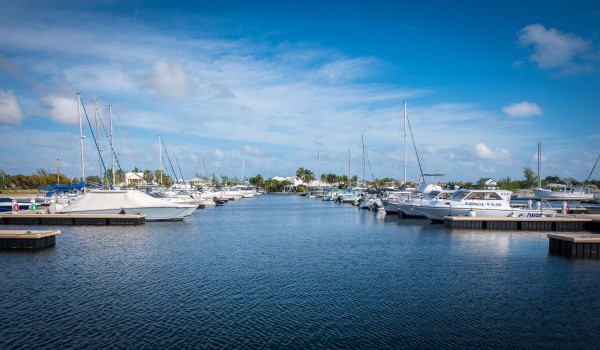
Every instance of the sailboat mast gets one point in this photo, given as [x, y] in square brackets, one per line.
[364, 159]
[348, 167]
[160, 162]
[405, 144]
[99, 149]
[112, 145]
[81, 136]
[539, 164]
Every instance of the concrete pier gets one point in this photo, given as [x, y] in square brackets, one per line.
[27, 239]
[71, 219]
[575, 246]
[560, 223]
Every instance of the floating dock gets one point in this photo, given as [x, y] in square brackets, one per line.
[71, 219]
[27, 239]
[576, 246]
[560, 223]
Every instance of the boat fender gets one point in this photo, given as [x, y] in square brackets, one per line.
[471, 213]
[15, 206]
[122, 211]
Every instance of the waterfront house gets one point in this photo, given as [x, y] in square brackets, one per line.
[134, 179]
[487, 184]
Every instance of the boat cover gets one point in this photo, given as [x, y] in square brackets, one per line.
[116, 199]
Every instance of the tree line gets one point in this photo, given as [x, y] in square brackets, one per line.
[42, 178]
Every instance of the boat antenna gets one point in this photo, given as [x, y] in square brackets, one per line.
[591, 172]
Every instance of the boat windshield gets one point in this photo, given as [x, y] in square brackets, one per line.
[458, 195]
[484, 196]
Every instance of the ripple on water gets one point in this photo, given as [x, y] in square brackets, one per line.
[292, 272]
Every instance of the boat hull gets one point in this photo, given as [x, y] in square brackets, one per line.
[438, 213]
[152, 214]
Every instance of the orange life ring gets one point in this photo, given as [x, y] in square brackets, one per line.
[15, 207]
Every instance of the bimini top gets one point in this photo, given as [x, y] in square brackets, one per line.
[61, 188]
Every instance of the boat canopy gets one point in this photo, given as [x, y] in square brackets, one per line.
[61, 188]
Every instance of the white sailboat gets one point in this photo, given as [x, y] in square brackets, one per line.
[560, 192]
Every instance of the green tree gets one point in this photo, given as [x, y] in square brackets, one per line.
[306, 175]
[119, 176]
[148, 176]
[257, 181]
[530, 178]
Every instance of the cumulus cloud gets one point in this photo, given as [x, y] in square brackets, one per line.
[554, 49]
[484, 152]
[10, 112]
[218, 154]
[522, 109]
[61, 109]
[250, 151]
[170, 80]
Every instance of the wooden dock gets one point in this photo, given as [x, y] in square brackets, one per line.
[27, 239]
[71, 219]
[582, 222]
[576, 246]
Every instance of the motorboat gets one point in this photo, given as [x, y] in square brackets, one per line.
[481, 203]
[126, 202]
[407, 208]
[564, 192]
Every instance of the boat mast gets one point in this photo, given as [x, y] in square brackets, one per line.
[243, 170]
[81, 137]
[364, 159]
[405, 144]
[111, 145]
[539, 164]
[97, 135]
[160, 162]
[594, 167]
[348, 168]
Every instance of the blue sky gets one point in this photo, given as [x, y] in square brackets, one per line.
[266, 87]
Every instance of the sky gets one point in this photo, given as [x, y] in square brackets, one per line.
[241, 88]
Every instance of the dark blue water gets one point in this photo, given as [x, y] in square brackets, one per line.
[284, 271]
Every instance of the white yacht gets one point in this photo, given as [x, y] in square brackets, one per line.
[407, 208]
[562, 192]
[126, 202]
[480, 203]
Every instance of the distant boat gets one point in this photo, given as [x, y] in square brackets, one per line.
[480, 203]
[127, 202]
[561, 192]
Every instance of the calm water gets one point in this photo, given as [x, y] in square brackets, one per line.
[293, 272]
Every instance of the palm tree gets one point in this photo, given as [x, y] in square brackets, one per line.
[148, 176]
[119, 176]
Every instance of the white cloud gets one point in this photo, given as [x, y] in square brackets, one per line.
[522, 109]
[62, 109]
[484, 152]
[554, 49]
[170, 80]
[10, 112]
[218, 154]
